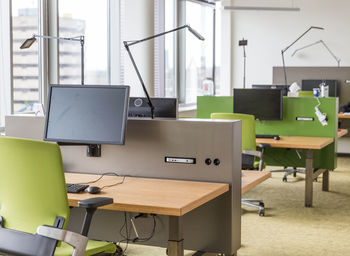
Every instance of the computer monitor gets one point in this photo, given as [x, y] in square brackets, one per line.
[163, 107]
[284, 88]
[309, 84]
[264, 104]
[87, 114]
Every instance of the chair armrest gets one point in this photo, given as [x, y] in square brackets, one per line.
[91, 205]
[252, 153]
[76, 240]
[95, 202]
[264, 145]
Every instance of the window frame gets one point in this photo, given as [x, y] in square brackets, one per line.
[48, 24]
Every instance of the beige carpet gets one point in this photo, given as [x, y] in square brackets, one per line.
[288, 227]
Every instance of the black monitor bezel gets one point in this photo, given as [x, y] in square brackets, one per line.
[265, 119]
[87, 142]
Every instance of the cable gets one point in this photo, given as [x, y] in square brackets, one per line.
[104, 174]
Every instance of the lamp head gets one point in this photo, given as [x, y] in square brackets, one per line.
[317, 27]
[195, 33]
[28, 43]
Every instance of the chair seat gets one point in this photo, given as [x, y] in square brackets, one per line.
[93, 247]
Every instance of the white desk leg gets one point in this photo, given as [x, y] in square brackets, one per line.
[309, 170]
[176, 241]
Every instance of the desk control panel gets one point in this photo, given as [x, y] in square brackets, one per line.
[180, 160]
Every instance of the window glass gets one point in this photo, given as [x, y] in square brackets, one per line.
[88, 18]
[170, 78]
[199, 54]
[25, 61]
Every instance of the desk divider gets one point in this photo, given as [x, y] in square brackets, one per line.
[289, 126]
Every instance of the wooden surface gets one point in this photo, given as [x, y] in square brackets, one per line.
[158, 196]
[342, 132]
[297, 142]
[250, 179]
[342, 116]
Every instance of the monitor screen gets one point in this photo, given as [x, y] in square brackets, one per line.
[308, 85]
[87, 114]
[264, 104]
[163, 107]
[284, 88]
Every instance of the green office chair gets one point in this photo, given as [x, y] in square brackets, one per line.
[249, 152]
[34, 207]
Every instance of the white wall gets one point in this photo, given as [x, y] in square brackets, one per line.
[270, 31]
[139, 24]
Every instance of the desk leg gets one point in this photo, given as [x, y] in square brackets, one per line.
[309, 170]
[176, 241]
[325, 181]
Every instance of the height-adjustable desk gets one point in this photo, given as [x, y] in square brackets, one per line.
[310, 144]
[174, 198]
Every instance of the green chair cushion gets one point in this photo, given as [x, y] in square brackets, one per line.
[93, 247]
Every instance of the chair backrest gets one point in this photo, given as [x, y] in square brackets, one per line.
[248, 127]
[306, 93]
[32, 184]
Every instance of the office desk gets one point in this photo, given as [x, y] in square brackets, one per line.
[342, 116]
[310, 144]
[158, 196]
[250, 179]
[342, 132]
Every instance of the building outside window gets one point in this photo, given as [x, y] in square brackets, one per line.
[26, 61]
[92, 22]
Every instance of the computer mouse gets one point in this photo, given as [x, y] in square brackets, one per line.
[276, 138]
[93, 190]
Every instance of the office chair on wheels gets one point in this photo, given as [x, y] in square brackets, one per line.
[249, 152]
[34, 207]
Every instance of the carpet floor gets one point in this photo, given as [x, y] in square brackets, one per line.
[288, 228]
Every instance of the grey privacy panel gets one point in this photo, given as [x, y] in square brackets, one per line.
[296, 74]
[213, 227]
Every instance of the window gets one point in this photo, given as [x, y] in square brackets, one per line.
[5, 62]
[92, 22]
[189, 63]
[26, 61]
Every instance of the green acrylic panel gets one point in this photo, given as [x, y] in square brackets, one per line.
[213, 104]
[292, 108]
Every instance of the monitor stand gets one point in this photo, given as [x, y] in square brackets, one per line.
[92, 150]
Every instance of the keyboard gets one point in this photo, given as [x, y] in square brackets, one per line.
[267, 136]
[75, 188]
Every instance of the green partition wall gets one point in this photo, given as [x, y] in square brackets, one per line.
[292, 108]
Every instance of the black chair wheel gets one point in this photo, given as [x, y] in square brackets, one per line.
[284, 179]
[261, 204]
[294, 174]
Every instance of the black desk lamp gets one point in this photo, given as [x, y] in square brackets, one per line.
[324, 44]
[285, 49]
[28, 43]
[127, 44]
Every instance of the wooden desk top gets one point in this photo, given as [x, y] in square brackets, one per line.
[342, 116]
[158, 196]
[297, 142]
[250, 179]
[342, 132]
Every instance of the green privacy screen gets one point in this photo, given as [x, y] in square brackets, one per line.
[289, 126]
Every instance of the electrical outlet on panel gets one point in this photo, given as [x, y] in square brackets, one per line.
[347, 81]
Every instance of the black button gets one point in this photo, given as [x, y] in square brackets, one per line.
[208, 161]
[216, 161]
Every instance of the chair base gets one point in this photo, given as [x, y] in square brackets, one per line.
[290, 171]
[255, 203]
